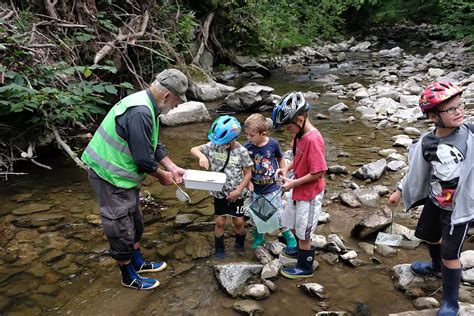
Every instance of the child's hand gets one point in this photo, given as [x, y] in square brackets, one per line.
[394, 198]
[250, 186]
[280, 172]
[233, 196]
[288, 184]
[204, 162]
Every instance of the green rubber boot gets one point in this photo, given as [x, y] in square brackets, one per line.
[290, 238]
[258, 239]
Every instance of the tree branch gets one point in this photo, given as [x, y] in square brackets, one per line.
[68, 150]
[205, 35]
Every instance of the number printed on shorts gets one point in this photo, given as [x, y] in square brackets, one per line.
[239, 210]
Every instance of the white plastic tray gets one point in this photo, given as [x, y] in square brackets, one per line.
[204, 180]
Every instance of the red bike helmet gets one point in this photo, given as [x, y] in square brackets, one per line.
[436, 93]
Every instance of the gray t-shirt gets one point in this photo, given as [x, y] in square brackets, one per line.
[238, 160]
[446, 156]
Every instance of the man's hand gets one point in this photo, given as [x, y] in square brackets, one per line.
[164, 177]
[178, 174]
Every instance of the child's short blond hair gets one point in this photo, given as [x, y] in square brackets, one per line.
[257, 123]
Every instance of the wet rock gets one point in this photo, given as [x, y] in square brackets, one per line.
[22, 197]
[330, 258]
[412, 130]
[188, 112]
[395, 165]
[349, 255]
[93, 219]
[425, 302]
[52, 256]
[362, 310]
[324, 218]
[182, 267]
[199, 248]
[372, 171]
[333, 238]
[340, 107]
[403, 279]
[350, 199]
[415, 292]
[32, 208]
[48, 289]
[386, 152]
[314, 290]
[271, 286]
[271, 269]
[256, 291]
[367, 196]
[201, 227]
[44, 300]
[38, 220]
[367, 248]
[467, 259]
[247, 98]
[4, 302]
[275, 247]
[263, 255]
[22, 311]
[337, 169]
[166, 250]
[248, 307]
[385, 250]
[468, 276]
[9, 273]
[9, 256]
[370, 225]
[184, 219]
[318, 241]
[286, 261]
[396, 156]
[71, 270]
[232, 277]
[403, 142]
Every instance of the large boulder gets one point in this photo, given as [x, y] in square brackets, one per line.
[248, 98]
[189, 112]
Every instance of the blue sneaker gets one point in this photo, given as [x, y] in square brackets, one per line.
[142, 283]
[149, 266]
[131, 279]
[290, 252]
[425, 269]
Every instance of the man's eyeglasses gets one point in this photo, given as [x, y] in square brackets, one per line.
[453, 109]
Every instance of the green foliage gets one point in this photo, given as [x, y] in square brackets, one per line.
[42, 96]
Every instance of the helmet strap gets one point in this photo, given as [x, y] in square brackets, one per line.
[298, 135]
[439, 122]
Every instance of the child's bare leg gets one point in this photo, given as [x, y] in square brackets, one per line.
[304, 244]
[220, 224]
[238, 225]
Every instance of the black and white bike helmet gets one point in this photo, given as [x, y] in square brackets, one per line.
[288, 107]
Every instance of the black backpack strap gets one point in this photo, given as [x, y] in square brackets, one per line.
[226, 160]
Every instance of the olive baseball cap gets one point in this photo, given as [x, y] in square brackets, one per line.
[175, 81]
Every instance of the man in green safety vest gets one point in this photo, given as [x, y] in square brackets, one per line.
[123, 151]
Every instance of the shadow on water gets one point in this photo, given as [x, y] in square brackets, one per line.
[54, 252]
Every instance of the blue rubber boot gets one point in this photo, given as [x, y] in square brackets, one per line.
[451, 280]
[258, 239]
[304, 265]
[239, 242]
[429, 268]
[140, 265]
[291, 248]
[219, 246]
[131, 279]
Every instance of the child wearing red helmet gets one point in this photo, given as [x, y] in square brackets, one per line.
[441, 177]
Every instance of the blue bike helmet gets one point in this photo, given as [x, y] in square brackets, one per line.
[288, 107]
[224, 130]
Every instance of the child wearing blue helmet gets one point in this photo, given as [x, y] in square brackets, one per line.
[225, 154]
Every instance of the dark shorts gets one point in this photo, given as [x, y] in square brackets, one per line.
[223, 207]
[435, 224]
[121, 217]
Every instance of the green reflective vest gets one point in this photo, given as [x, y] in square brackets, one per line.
[109, 155]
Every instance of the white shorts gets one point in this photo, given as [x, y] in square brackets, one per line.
[302, 216]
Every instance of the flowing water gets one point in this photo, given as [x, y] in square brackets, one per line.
[54, 254]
